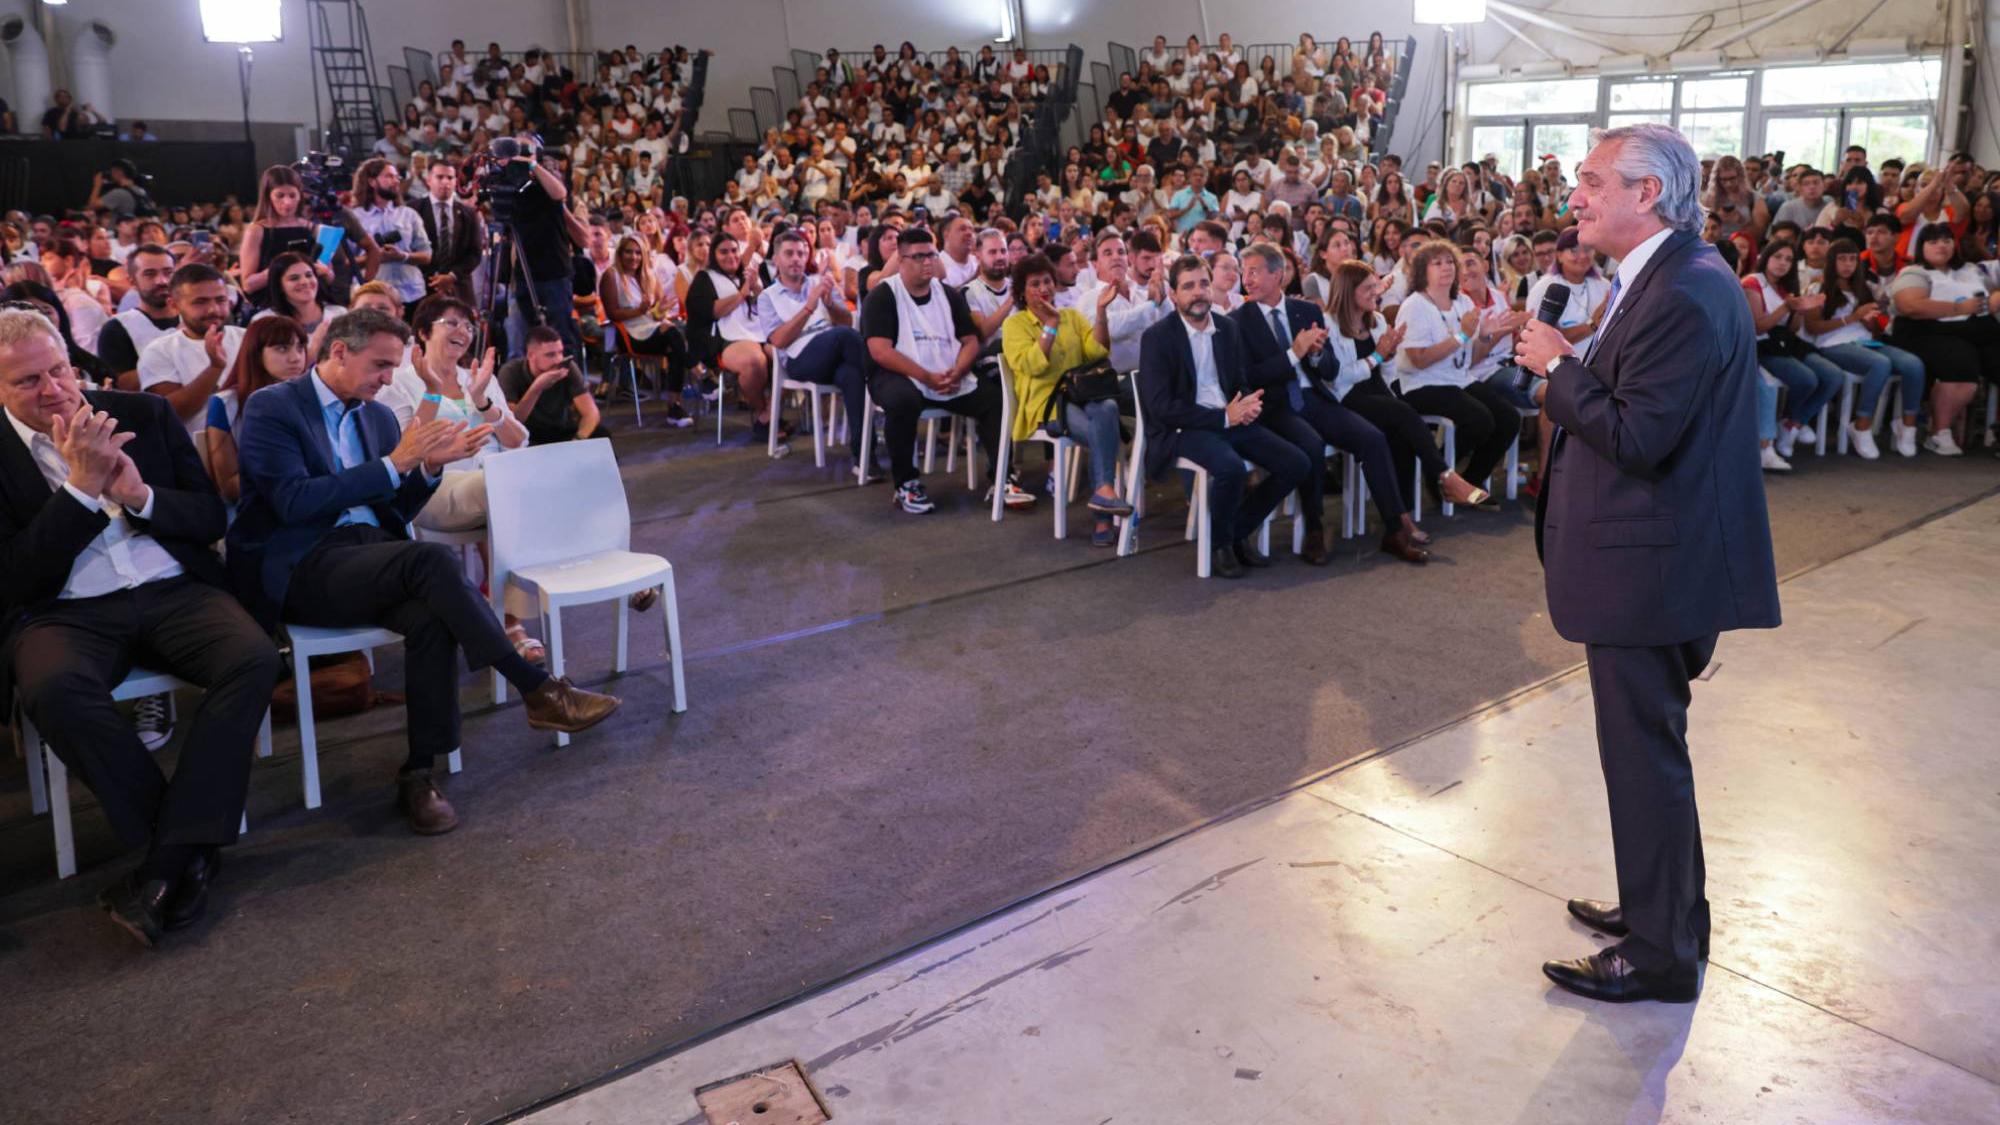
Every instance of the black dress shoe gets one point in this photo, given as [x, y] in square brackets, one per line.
[1224, 563]
[190, 897]
[1609, 918]
[137, 906]
[1606, 975]
[1249, 555]
[1316, 553]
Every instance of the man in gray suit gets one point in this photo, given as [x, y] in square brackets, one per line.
[1654, 536]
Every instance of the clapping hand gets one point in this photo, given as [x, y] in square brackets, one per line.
[482, 380]
[213, 342]
[1309, 340]
[92, 448]
[127, 488]
[1244, 409]
[419, 439]
[460, 443]
[1391, 339]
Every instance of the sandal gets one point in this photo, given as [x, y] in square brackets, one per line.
[646, 599]
[527, 647]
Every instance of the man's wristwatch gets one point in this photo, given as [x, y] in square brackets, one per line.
[1558, 361]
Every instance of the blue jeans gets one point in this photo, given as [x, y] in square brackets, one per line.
[1767, 410]
[1503, 381]
[558, 301]
[1096, 426]
[1875, 366]
[1810, 384]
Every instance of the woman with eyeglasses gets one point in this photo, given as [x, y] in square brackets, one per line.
[1730, 199]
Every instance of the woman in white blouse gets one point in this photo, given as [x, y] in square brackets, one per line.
[1443, 341]
[1242, 201]
[1946, 317]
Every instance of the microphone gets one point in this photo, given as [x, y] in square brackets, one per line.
[1553, 303]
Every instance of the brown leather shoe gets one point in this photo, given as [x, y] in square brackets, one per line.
[560, 705]
[1398, 543]
[1316, 553]
[418, 799]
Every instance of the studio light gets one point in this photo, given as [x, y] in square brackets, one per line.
[241, 21]
[1451, 13]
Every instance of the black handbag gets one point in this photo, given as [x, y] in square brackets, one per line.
[1081, 386]
[1782, 341]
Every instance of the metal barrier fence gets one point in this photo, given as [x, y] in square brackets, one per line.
[785, 81]
[583, 64]
[743, 125]
[764, 103]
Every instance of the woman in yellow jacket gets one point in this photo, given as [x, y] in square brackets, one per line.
[1042, 343]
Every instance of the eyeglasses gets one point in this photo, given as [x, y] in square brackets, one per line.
[454, 323]
[921, 257]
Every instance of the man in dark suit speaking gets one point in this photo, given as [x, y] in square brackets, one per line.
[330, 484]
[1653, 533]
[107, 527]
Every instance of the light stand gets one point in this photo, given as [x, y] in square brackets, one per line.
[1448, 16]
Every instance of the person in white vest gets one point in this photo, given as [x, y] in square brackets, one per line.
[151, 268]
[922, 341]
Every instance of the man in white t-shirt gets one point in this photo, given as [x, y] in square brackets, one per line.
[956, 257]
[151, 269]
[1130, 294]
[1588, 291]
[988, 294]
[186, 365]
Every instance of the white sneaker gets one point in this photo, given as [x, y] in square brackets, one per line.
[1942, 444]
[1805, 435]
[1863, 442]
[1906, 438]
[149, 717]
[1788, 439]
[1774, 463]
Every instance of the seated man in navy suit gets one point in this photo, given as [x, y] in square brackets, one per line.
[107, 530]
[1198, 405]
[1285, 340]
[329, 487]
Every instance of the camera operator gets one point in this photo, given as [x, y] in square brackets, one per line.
[125, 197]
[405, 248]
[544, 234]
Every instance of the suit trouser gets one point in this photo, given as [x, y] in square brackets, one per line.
[903, 406]
[1320, 423]
[1641, 696]
[362, 575]
[1232, 514]
[66, 660]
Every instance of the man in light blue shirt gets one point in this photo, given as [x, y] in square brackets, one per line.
[1187, 203]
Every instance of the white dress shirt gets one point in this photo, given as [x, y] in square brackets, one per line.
[1127, 318]
[119, 558]
[1207, 380]
[1628, 273]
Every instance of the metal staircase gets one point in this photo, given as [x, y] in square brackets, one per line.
[347, 102]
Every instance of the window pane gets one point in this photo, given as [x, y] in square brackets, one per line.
[1628, 96]
[1617, 120]
[1504, 99]
[1567, 143]
[1714, 93]
[1805, 140]
[1853, 83]
[1503, 141]
[1906, 135]
[1714, 134]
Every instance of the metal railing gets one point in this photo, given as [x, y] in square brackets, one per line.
[583, 64]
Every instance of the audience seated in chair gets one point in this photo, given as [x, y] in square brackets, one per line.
[273, 351]
[804, 317]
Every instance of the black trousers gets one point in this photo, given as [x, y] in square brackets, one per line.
[66, 660]
[1641, 696]
[362, 575]
[903, 405]
[1409, 439]
[1232, 513]
[1321, 422]
[667, 342]
[1487, 423]
[1957, 351]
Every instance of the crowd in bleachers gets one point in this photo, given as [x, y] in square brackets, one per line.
[870, 248]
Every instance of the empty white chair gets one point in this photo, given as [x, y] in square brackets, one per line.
[138, 684]
[1068, 458]
[308, 641]
[562, 530]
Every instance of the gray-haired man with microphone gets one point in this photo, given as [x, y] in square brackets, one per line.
[1654, 535]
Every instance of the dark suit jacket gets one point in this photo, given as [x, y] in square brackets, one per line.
[1652, 524]
[1165, 382]
[468, 239]
[1269, 359]
[43, 530]
[294, 492]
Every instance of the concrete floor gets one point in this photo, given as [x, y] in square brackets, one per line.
[1367, 948]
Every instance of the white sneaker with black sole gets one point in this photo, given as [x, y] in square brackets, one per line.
[1943, 444]
[149, 718]
[913, 499]
[1016, 498]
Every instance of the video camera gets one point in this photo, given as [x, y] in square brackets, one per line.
[500, 179]
[324, 176]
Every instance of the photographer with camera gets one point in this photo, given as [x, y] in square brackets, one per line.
[125, 197]
[524, 199]
[405, 248]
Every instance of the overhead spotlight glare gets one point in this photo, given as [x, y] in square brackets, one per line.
[242, 21]
[1452, 13]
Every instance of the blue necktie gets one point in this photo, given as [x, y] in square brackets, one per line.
[1293, 394]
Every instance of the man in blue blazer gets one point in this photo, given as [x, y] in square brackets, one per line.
[1199, 405]
[1285, 340]
[330, 485]
[1654, 535]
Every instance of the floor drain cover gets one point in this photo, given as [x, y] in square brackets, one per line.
[779, 1094]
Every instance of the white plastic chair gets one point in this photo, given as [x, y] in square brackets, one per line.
[562, 530]
[308, 641]
[1848, 393]
[815, 393]
[1350, 472]
[138, 684]
[1437, 421]
[931, 416]
[1068, 458]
